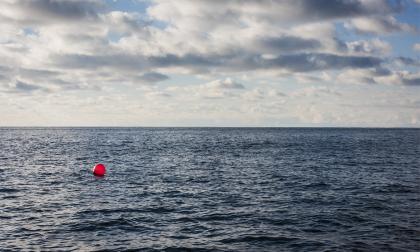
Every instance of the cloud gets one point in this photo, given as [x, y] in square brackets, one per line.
[125, 22]
[379, 25]
[305, 78]
[369, 47]
[85, 61]
[255, 94]
[227, 83]
[217, 89]
[153, 77]
[315, 92]
[352, 8]
[23, 87]
[408, 61]
[288, 43]
[300, 62]
[317, 61]
[379, 76]
[37, 73]
[260, 94]
[357, 76]
[409, 79]
[208, 13]
[223, 37]
[45, 11]
[416, 47]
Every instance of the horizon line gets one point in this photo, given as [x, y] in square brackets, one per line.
[250, 127]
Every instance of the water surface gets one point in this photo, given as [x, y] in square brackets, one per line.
[210, 189]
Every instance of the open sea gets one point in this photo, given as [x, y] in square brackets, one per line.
[210, 189]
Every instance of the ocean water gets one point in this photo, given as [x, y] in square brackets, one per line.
[210, 189]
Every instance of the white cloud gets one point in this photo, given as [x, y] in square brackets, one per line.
[315, 91]
[379, 25]
[227, 83]
[369, 47]
[379, 76]
[401, 78]
[222, 88]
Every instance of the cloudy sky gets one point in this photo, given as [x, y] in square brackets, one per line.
[210, 63]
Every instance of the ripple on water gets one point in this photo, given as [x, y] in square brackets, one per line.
[197, 189]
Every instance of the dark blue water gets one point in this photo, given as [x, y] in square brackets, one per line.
[212, 189]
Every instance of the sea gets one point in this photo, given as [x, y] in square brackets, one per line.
[210, 189]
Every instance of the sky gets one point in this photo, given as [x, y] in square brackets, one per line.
[285, 63]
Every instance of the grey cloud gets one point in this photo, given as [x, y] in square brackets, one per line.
[340, 45]
[5, 73]
[359, 48]
[23, 87]
[82, 61]
[51, 77]
[335, 8]
[86, 39]
[153, 77]
[317, 61]
[33, 13]
[37, 73]
[226, 84]
[303, 62]
[60, 9]
[229, 12]
[134, 63]
[279, 94]
[5, 69]
[411, 81]
[66, 85]
[289, 43]
[381, 71]
[233, 85]
[382, 75]
[300, 62]
[408, 61]
[312, 78]
[189, 60]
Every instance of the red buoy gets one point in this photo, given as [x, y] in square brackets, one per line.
[99, 170]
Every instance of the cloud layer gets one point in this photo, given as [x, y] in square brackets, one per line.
[56, 48]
